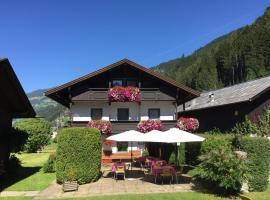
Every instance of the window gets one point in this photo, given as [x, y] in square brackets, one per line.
[96, 113]
[117, 82]
[123, 114]
[122, 146]
[131, 82]
[154, 113]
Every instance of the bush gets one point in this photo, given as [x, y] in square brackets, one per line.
[245, 128]
[216, 142]
[49, 166]
[222, 170]
[264, 123]
[39, 133]
[13, 164]
[258, 161]
[78, 153]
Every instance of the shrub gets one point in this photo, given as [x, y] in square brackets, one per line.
[79, 152]
[49, 166]
[258, 161]
[264, 123]
[13, 164]
[39, 133]
[221, 170]
[245, 128]
[216, 142]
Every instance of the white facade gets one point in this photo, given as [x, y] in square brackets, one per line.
[81, 111]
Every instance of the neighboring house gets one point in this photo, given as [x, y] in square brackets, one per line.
[87, 98]
[223, 108]
[13, 104]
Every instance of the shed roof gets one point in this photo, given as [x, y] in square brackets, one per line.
[242, 92]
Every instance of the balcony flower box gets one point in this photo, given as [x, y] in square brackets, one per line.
[124, 94]
[105, 127]
[149, 125]
[187, 124]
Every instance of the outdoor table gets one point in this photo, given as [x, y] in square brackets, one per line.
[156, 170]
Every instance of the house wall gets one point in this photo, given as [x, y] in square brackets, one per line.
[5, 125]
[225, 117]
[81, 111]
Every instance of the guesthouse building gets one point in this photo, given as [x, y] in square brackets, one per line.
[122, 94]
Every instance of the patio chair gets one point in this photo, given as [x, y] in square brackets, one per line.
[120, 170]
[147, 174]
[166, 173]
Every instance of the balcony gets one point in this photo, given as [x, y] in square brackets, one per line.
[121, 126]
[101, 94]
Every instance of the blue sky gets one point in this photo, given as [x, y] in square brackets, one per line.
[51, 42]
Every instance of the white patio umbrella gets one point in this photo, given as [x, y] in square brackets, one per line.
[128, 136]
[173, 135]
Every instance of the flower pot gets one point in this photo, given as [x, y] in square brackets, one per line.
[69, 186]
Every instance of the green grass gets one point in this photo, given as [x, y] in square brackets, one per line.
[30, 177]
[260, 195]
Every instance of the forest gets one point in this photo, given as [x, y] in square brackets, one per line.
[239, 56]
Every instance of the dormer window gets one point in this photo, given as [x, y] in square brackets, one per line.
[117, 82]
[124, 82]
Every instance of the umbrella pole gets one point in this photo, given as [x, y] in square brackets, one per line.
[131, 157]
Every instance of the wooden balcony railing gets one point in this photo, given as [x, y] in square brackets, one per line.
[101, 94]
[121, 126]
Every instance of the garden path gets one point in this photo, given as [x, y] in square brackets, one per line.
[108, 186]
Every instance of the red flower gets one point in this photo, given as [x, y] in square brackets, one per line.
[187, 124]
[105, 127]
[108, 142]
[149, 125]
[121, 94]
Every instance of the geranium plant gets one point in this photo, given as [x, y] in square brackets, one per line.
[117, 93]
[108, 142]
[149, 125]
[187, 124]
[121, 94]
[132, 94]
[105, 127]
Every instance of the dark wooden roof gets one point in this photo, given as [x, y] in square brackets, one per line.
[242, 92]
[54, 93]
[12, 92]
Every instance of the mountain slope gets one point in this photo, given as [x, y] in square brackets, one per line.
[241, 55]
[44, 106]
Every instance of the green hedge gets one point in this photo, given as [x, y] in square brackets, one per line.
[258, 161]
[78, 155]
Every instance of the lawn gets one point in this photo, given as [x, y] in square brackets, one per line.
[30, 177]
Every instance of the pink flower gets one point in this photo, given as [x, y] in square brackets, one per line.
[121, 94]
[105, 127]
[149, 125]
[187, 124]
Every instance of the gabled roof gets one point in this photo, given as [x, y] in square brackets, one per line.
[54, 93]
[238, 93]
[131, 63]
[13, 93]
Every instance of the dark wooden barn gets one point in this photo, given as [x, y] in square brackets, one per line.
[13, 104]
[225, 107]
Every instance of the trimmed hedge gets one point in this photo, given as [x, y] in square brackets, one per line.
[78, 155]
[258, 161]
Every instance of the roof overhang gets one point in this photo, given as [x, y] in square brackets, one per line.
[55, 92]
[12, 92]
